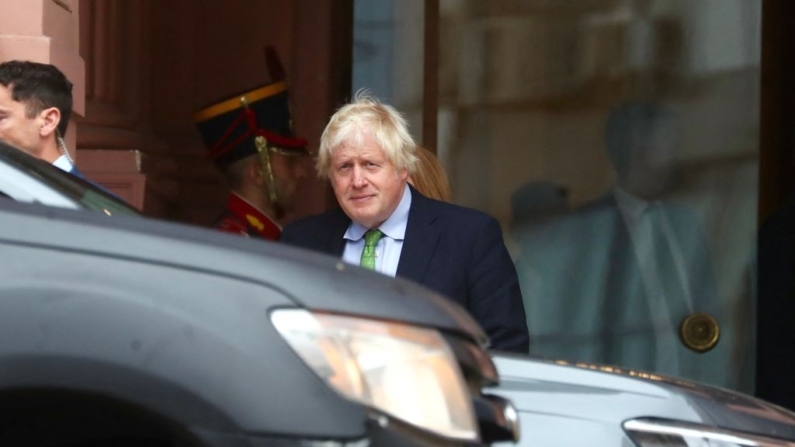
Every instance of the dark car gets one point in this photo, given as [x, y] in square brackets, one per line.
[129, 331]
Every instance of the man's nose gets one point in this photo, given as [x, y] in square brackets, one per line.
[359, 179]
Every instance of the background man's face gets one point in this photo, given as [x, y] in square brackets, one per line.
[366, 183]
[654, 167]
[16, 127]
[287, 174]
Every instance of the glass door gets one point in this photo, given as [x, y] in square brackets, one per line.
[617, 143]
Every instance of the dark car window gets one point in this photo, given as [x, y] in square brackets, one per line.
[84, 192]
[93, 197]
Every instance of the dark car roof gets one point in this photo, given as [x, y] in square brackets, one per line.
[316, 281]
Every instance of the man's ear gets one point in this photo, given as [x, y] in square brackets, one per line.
[254, 173]
[403, 174]
[50, 118]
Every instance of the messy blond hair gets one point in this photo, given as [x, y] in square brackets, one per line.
[366, 115]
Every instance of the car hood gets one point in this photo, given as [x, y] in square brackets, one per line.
[314, 281]
[614, 395]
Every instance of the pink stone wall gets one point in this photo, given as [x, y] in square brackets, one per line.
[141, 68]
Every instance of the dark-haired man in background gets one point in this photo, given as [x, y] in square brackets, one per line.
[35, 105]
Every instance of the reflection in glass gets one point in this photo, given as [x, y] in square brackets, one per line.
[620, 273]
[616, 141]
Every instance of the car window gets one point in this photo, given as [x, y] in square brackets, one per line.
[22, 186]
[67, 185]
[90, 195]
[101, 201]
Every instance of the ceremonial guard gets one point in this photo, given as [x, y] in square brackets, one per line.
[250, 138]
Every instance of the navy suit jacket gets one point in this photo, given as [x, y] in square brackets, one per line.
[455, 251]
[74, 171]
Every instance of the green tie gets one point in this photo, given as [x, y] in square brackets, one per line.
[371, 238]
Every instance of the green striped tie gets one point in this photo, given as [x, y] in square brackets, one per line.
[371, 238]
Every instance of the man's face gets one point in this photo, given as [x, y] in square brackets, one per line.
[366, 183]
[654, 167]
[287, 174]
[16, 127]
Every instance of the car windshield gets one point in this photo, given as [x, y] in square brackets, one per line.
[81, 191]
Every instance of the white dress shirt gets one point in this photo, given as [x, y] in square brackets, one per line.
[387, 251]
[63, 163]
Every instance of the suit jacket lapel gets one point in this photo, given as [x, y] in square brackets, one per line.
[335, 242]
[422, 235]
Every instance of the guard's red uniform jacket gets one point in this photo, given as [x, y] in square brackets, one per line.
[245, 219]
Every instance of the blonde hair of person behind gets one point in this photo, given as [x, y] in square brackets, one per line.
[429, 177]
[367, 115]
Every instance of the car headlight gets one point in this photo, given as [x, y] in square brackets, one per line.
[405, 371]
[664, 433]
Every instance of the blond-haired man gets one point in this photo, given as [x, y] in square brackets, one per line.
[385, 225]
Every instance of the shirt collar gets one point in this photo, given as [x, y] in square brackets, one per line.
[63, 163]
[629, 204]
[394, 227]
